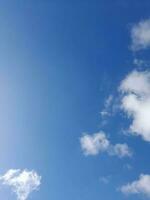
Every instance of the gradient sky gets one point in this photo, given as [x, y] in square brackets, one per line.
[59, 61]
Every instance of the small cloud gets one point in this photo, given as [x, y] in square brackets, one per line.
[108, 101]
[139, 62]
[121, 150]
[98, 143]
[107, 107]
[104, 113]
[140, 35]
[94, 144]
[140, 186]
[128, 166]
[22, 182]
[105, 179]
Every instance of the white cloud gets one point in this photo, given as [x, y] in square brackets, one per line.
[121, 150]
[98, 143]
[140, 186]
[94, 144]
[136, 102]
[22, 182]
[140, 35]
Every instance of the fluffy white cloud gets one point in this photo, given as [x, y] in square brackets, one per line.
[140, 186]
[136, 102]
[21, 182]
[94, 144]
[98, 143]
[140, 35]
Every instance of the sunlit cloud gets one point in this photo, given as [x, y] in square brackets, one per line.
[135, 102]
[140, 186]
[140, 35]
[21, 182]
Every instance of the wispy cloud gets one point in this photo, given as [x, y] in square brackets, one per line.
[107, 107]
[120, 150]
[135, 102]
[99, 143]
[22, 182]
[140, 186]
[128, 166]
[141, 63]
[140, 35]
[105, 179]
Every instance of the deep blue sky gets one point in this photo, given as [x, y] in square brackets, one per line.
[59, 60]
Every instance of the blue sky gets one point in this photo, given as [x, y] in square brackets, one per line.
[59, 63]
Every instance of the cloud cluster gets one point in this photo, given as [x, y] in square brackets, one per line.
[140, 186]
[140, 35]
[22, 182]
[135, 102]
[99, 143]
